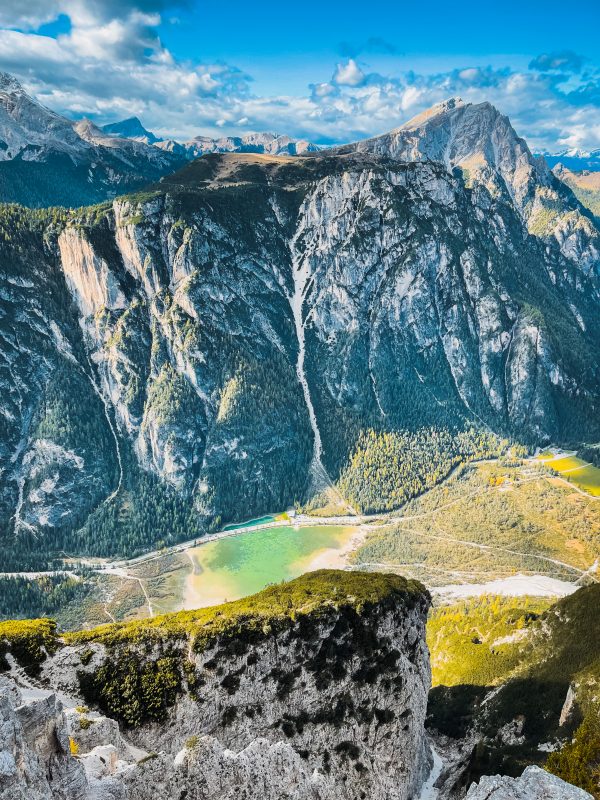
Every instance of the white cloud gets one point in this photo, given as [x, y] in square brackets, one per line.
[28, 14]
[348, 74]
[111, 64]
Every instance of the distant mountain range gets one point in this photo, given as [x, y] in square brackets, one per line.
[575, 160]
[269, 143]
[47, 159]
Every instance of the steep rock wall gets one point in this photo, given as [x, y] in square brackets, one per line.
[317, 688]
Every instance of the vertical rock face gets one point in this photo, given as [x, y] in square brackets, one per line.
[312, 689]
[344, 698]
[55, 470]
[236, 329]
[35, 760]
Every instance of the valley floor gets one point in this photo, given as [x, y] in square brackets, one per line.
[492, 527]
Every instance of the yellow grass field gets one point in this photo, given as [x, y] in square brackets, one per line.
[578, 472]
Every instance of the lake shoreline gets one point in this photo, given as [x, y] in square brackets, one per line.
[233, 567]
[339, 559]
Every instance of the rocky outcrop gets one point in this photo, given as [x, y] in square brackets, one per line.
[534, 784]
[313, 689]
[207, 769]
[35, 758]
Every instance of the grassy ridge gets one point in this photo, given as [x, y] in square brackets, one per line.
[274, 607]
[148, 664]
[28, 641]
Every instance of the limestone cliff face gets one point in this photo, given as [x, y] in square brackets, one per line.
[233, 331]
[315, 689]
[340, 706]
[35, 758]
[408, 285]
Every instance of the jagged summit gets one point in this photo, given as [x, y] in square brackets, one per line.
[87, 129]
[478, 142]
[475, 137]
[436, 110]
[8, 83]
[453, 132]
[131, 128]
[28, 129]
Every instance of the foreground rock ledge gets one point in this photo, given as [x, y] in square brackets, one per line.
[312, 689]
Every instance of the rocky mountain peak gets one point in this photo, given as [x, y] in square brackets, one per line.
[27, 128]
[458, 134]
[9, 84]
[66, 162]
[131, 128]
[88, 129]
[480, 143]
[435, 111]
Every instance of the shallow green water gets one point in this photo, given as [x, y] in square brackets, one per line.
[237, 566]
[250, 523]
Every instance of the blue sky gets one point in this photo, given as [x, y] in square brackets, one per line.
[328, 71]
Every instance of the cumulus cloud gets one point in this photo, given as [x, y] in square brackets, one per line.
[562, 61]
[31, 14]
[348, 74]
[28, 14]
[110, 64]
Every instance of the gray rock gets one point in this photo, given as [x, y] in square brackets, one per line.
[35, 760]
[432, 276]
[534, 784]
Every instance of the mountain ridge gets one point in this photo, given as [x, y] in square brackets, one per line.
[348, 292]
[131, 128]
[47, 159]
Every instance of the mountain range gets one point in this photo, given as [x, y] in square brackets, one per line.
[47, 159]
[255, 329]
[575, 160]
[270, 143]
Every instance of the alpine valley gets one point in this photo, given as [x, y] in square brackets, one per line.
[382, 356]
[255, 329]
